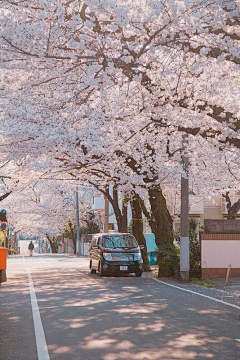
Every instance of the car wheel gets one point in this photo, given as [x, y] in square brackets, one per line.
[100, 269]
[93, 271]
[138, 273]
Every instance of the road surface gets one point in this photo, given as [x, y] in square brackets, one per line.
[52, 308]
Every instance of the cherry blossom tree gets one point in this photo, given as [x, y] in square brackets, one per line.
[46, 208]
[106, 89]
[182, 54]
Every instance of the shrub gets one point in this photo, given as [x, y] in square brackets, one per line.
[194, 248]
[168, 259]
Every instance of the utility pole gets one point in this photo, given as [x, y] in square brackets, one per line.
[78, 245]
[184, 236]
[106, 211]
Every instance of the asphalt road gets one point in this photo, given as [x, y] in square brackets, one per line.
[79, 315]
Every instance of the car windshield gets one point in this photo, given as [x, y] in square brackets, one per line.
[119, 241]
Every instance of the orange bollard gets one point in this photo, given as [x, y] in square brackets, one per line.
[3, 258]
[3, 264]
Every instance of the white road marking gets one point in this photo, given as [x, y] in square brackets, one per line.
[196, 293]
[237, 340]
[23, 259]
[42, 349]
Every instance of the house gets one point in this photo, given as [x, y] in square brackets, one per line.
[200, 207]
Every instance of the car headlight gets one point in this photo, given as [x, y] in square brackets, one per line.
[137, 256]
[107, 256]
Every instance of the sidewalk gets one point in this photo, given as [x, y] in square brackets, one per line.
[229, 293]
[232, 288]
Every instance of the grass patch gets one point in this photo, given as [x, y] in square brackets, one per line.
[203, 282]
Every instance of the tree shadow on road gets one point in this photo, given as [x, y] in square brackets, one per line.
[124, 317]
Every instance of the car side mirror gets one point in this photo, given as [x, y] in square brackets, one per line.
[141, 247]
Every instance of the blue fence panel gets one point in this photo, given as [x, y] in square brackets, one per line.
[151, 248]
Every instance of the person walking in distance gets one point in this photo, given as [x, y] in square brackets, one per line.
[30, 248]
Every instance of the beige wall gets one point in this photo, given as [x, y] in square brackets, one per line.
[203, 208]
[214, 201]
[211, 213]
[67, 246]
[220, 253]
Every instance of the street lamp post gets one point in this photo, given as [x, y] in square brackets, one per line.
[184, 236]
[78, 246]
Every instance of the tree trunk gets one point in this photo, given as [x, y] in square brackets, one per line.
[137, 229]
[73, 236]
[53, 245]
[115, 204]
[120, 217]
[161, 221]
[124, 215]
[232, 209]
[232, 212]
[159, 218]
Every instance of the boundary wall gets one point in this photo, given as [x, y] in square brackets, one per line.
[218, 251]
